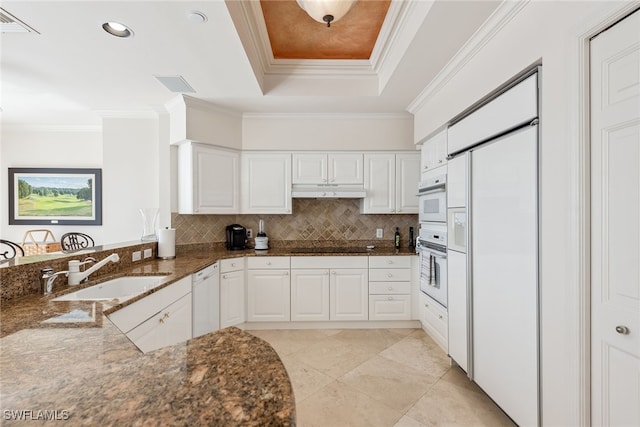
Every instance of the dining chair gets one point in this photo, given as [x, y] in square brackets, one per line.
[9, 250]
[75, 241]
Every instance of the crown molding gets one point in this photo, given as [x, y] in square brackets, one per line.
[503, 14]
[52, 128]
[127, 114]
[200, 104]
[329, 116]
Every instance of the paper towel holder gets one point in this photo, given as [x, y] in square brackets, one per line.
[166, 243]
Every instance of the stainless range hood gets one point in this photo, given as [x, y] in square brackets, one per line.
[328, 192]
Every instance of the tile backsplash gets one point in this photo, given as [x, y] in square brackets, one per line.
[311, 220]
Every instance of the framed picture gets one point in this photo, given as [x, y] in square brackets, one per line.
[55, 196]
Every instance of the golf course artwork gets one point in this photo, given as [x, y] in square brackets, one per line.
[62, 196]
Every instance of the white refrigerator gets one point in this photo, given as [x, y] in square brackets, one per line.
[493, 292]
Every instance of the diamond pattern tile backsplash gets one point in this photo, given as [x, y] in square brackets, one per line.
[311, 220]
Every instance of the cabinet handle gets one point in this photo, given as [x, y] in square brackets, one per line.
[426, 305]
[390, 298]
[391, 210]
[390, 288]
[440, 161]
[268, 262]
[166, 316]
[623, 330]
[440, 316]
[426, 167]
[286, 273]
[389, 261]
[224, 276]
[389, 275]
[233, 264]
[333, 272]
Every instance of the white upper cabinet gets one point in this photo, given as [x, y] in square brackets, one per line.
[434, 152]
[324, 168]
[208, 179]
[266, 183]
[391, 181]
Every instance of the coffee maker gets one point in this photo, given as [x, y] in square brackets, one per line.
[236, 237]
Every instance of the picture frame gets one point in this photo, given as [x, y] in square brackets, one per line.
[55, 196]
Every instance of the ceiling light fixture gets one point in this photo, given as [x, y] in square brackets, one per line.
[117, 29]
[326, 10]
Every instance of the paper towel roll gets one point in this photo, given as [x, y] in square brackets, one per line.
[167, 243]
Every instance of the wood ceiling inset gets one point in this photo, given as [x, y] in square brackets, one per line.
[294, 35]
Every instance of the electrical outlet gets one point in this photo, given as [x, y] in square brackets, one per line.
[379, 233]
[136, 256]
[147, 253]
[249, 233]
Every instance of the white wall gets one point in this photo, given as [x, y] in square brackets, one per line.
[327, 132]
[56, 147]
[549, 31]
[131, 175]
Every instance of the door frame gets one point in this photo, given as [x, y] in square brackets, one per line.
[582, 201]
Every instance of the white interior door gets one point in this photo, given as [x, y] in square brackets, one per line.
[615, 224]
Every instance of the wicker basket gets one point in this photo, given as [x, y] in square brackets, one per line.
[39, 241]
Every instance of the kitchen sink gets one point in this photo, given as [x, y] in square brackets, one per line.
[120, 288]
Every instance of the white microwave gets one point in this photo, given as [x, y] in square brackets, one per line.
[432, 200]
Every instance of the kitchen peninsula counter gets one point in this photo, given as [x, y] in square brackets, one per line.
[55, 363]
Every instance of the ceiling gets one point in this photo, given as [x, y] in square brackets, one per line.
[71, 73]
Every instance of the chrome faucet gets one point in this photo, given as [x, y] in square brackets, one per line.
[48, 277]
[76, 276]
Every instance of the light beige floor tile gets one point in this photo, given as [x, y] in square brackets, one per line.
[372, 339]
[335, 357]
[448, 404]
[305, 380]
[416, 352]
[291, 340]
[338, 405]
[408, 422]
[394, 384]
[457, 376]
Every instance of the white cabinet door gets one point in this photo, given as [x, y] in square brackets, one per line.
[379, 184]
[407, 177]
[232, 303]
[310, 294]
[345, 168]
[208, 180]
[457, 306]
[434, 152]
[266, 183]
[268, 295]
[348, 294]
[170, 326]
[433, 318]
[309, 168]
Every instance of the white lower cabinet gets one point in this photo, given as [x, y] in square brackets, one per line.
[309, 294]
[232, 292]
[329, 288]
[167, 327]
[160, 319]
[390, 281]
[348, 294]
[433, 318]
[268, 289]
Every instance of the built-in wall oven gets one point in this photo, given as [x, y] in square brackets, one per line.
[432, 200]
[432, 249]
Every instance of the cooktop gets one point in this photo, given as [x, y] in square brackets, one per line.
[332, 250]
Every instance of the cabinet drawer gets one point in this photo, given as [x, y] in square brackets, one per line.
[389, 261]
[280, 262]
[389, 307]
[390, 275]
[231, 264]
[329, 262]
[435, 321]
[132, 315]
[381, 288]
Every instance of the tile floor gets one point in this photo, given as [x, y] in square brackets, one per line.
[378, 377]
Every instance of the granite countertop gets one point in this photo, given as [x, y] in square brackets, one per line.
[89, 372]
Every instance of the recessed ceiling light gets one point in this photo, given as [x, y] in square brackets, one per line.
[196, 17]
[117, 29]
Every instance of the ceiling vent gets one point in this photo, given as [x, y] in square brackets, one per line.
[175, 84]
[11, 24]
